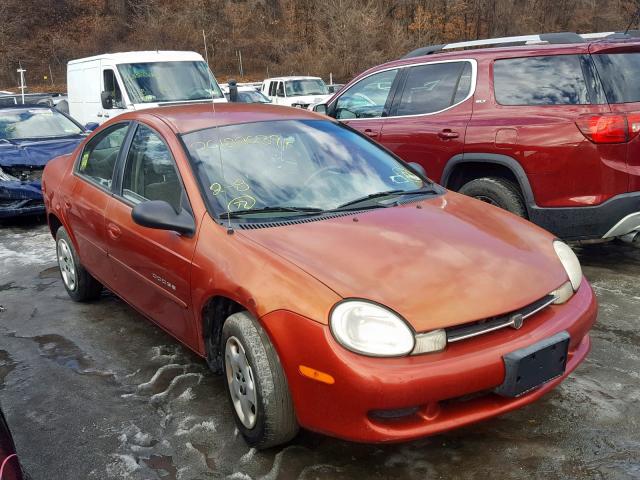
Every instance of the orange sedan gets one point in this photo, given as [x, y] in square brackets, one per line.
[333, 285]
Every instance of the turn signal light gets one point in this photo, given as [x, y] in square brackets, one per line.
[609, 128]
[317, 375]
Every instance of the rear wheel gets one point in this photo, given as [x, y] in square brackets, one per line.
[256, 384]
[79, 283]
[496, 191]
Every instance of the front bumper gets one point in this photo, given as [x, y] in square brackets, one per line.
[616, 217]
[20, 198]
[450, 389]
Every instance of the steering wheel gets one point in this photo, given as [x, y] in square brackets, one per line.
[318, 173]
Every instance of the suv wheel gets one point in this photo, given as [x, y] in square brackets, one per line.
[256, 384]
[79, 283]
[496, 191]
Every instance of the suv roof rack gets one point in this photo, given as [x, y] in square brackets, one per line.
[542, 38]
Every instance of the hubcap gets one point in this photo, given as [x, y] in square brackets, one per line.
[66, 264]
[240, 381]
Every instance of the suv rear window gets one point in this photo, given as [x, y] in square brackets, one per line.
[619, 76]
[552, 80]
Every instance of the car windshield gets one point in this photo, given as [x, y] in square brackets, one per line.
[168, 81]
[16, 124]
[298, 164]
[252, 97]
[309, 86]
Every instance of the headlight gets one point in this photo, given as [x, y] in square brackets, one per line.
[370, 329]
[570, 263]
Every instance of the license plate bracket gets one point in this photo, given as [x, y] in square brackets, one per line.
[531, 367]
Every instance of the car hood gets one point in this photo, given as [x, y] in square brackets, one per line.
[441, 262]
[36, 153]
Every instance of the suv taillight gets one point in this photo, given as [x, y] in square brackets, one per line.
[610, 127]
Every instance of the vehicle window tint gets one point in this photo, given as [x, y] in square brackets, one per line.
[150, 172]
[431, 88]
[100, 155]
[111, 85]
[280, 89]
[619, 75]
[554, 80]
[464, 84]
[367, 98]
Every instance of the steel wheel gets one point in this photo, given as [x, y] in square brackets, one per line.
[241, 383]
[67, 264]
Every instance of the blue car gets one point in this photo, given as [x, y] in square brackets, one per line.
[30, 136]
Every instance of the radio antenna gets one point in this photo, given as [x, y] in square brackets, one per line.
[213, 111]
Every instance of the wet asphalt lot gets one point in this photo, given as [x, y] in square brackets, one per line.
[95, 391]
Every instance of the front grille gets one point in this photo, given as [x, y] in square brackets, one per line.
[29, 174]
[513, 319]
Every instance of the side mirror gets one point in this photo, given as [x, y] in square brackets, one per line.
[418, 168]
[107, 100]
[320, 108]
[160, 215]
[91, 126]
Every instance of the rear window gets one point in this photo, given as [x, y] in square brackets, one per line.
[619, 76]
[553, 80]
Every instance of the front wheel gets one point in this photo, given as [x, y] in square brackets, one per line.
[256, 384]
[79, 283]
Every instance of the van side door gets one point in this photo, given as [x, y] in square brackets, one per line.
[428, 118]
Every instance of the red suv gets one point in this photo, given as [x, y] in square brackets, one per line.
[545, 126]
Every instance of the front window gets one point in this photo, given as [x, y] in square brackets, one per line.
[36, 123]
[303, 165]
[252, 97]
[367, 98]
[309, 86]
[154, 82]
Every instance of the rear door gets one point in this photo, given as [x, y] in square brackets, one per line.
[151, 267]
[430, 112]
[365, 104]
[619, 71]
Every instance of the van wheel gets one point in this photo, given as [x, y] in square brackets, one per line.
[496, 191]
[256, 384]
[79, 283]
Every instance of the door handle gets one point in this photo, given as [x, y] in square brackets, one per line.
[447, 133]
[114, 231]
[370, 133]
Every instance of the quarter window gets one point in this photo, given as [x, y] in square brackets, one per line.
[99, 156]
[150, 172]
[434, 87]
[552, 80]
[367, 98]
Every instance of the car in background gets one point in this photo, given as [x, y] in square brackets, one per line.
[56, 100]
[10, 468]
[30, 136]
[298, 92]
[246, 94]
[332, 284]
[545, 126]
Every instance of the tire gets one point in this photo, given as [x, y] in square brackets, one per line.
[272, 420]
[496, 191]
[79, 283]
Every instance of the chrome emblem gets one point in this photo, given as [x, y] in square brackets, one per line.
[516, 321]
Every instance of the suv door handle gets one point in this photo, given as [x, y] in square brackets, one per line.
[114, 231]
[447, 133]
[370, 133]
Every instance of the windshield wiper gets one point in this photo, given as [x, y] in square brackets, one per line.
[275, 209]
[388, 193]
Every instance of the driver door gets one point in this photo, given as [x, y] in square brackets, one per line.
[111, 84]
[365, 105]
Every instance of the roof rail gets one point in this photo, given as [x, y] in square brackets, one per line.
[561, 37]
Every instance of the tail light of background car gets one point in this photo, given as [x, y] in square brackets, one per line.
[610, 128]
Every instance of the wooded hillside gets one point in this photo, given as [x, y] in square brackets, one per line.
[274, 36]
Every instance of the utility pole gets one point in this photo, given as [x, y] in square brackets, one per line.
[22, 86]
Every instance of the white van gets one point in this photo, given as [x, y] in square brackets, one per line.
[296, 91]
[104, 86]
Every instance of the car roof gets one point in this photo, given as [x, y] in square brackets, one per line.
[27, 107]
[198, 116]
[143, 56]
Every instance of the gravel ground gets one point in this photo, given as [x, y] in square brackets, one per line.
[95, 391]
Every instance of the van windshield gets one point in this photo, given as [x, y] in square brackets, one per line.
[310, 86]
[168, 81]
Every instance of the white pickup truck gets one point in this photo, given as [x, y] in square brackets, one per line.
[295, 91]
[104, 86]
